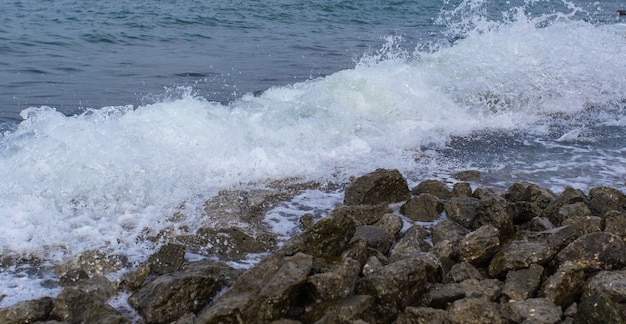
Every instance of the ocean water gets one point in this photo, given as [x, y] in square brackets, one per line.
[113, 114]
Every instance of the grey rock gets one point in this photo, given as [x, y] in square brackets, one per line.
[467, 175]
[27, 311]
[612, 284]
[524, 211]
[615, 222]
[361, 214]
[377, 237]
[84, 300]
[493, 210]
[515, 192]
[391, 223]
[461, 189]
[475, 310]
[568, 197]
[522, 284]
[169, 297]
[441, 295]
[229, 243]
[461, 210]
[540, 196]
[584, 224]
[539, 224]
[595, 251]
[599, 309]
[462, 271]
[480, 245]
[422, 315]
[488, 288]
[604, 199]
[337, 283]
[352, 309]
[533, 310]
[412, 243]
[563, 286]
[378, 187]
[519, 255]
[423, 208]
[450, 231]
[432, 187]
[168, 259]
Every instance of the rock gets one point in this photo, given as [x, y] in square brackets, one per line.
[449, 231]
[563, 286]
[391, 223]
[461, 189]
[467, 175]
[134, 278]
[232, 243]
[463, 271]
[168, 259]
[524, 211]
[362, 214]
[567, 211]
[422, 315]
[84, 301]
[612, 284]
[537, 195]
[270, 290]
[441, 295]
[474, 310]
[347, 310]
[480, 245]
[328, 238]
[169, 297]
[522, 284]
[493, 210]
[412, 243]
[599, 309]
[378, 187]
[603, 199]
[432, 187]
[615, 222]
[377, 237]
[516, 191]
[337, 283]
[488, 288]
[461, 210]
[539, 224]
[372, 265]
[94, 262]
[396, 285]
[584, 224]
[27, 311]
[519, 255]
[568, 197]
[533, 310]
[423, 208]
[357, 250]
[595, 251]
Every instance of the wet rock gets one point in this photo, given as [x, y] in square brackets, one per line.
[377, 237]
[352, 309]
[488, 288]
[378, 187]
[493, 210]
[480, 245]
[305, 221]
[232, 243]
[564, 286]
[441, 295]
[94, 262]
[269, 291]
[519, 255]
[604, 199]
[391, 223]
[134, 278]
[337, 283]
[461, 210]
[169, 297]
[396, 285]
[533, 310]
[568, 197]
[327, 238]
[463, 271]
[599, 309]
[423, 208]
[474, 310]
[412, 243]
[461, 189]
[84, 301]
[467, 175]
[27, 311]
[615, 222]
[450, 231]
[537, 195]
[168, 259]
[524, 211]
[584, 224]
[362, 214]
[612, 284]
[522, 284]
[422, 315]
[432, 187]
[595, 251]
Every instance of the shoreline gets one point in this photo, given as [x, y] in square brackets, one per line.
[494, 256]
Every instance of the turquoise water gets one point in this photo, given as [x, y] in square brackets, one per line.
[113, 114]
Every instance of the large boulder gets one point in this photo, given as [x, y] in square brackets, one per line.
[169, 297]
[379, 187]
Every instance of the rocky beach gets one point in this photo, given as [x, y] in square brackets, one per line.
[435, 253]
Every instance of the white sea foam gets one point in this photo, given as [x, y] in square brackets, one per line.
[108, 176]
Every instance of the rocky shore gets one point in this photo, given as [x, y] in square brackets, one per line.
[389, 254]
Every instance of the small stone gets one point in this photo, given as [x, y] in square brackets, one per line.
[539, 224]
[562, 287]
[519, 255]
[411, 243]
[569, 196]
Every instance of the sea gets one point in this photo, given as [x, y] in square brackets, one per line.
[114, 113]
